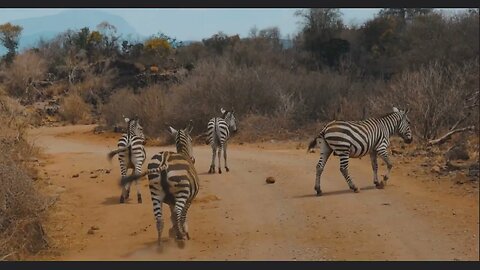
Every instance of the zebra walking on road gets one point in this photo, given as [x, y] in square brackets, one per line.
[357, 138]
[172, 180]
[131, 155]
[218, 133]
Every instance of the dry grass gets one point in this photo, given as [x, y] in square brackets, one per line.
[21, 207]
[149, 105]
[20, 79]
[74, 110]
[435, 94]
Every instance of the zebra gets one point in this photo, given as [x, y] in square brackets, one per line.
[218, 133]
[357, 138]
[131, 154]
[172, 180]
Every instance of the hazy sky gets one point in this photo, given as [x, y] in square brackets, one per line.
[198, 23]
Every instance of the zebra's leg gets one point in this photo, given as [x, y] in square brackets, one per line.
[179, 205]
[384, 155]
[225, 157]
[126, 187]
[181, 235]
[344, 169]
[219, 153]
[139, 194]
[173, 217]
[325, 152]
[138, 170]
[157, 200]
[184, 220]
[212, 165]
[373, 158]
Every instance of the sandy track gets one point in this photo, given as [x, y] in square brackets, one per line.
[237, 216]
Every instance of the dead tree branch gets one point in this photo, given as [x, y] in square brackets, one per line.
[449, 134]
[459, 122]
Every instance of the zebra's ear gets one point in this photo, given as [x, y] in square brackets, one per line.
[395, 109]
[407, 110]
[172, 131]
[127, 120]
[222, 110]
[189, 126]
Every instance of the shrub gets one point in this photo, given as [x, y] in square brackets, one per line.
[74, 110]
[435, 94]
[149, 105]
[22, 76]
[21, 207]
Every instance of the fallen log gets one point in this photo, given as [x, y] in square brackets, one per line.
[449, 134]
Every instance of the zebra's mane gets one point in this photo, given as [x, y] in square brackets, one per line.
[181, 141]
[385, 115]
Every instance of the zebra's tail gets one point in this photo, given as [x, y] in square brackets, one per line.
[116, 151]
[130, 178]
[314, 142]
[206, 137]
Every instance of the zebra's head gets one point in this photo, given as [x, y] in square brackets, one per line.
[134, 128]
[183, 140]
[404, 126]
[229, 117]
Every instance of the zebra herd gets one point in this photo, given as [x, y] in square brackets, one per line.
[173, 179]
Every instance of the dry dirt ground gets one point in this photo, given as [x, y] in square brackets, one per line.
[237, 216]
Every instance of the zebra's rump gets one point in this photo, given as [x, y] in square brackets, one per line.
[178, 178]
[134, 153]
[217, 131]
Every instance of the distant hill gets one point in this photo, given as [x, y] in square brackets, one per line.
[49, 26]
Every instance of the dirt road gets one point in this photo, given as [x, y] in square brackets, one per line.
[237, 216]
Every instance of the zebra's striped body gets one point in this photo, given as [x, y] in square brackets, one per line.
[172, 180]
[218, 133]
[131, 155]
[356, 139]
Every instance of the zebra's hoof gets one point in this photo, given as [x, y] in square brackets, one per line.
[139, 198]
[385, 178]
[188, 236]
[319, 193]
[122, 200]
[211, 170]
[356, 190]
[219, 171]
[159, 246]
[181, 243]
[379, 185]
[171, 233]
[227, 169]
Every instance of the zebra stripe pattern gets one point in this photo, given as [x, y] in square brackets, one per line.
[357, 138]
[218, 133]
[131, 155]
[172, 180]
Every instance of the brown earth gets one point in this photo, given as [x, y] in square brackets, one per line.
[237, 216]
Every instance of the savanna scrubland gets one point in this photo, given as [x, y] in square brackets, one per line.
[282, 88]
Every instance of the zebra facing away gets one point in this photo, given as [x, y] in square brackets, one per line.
[218, 133]
[357, 138]
[172, 180]
[131, 155]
